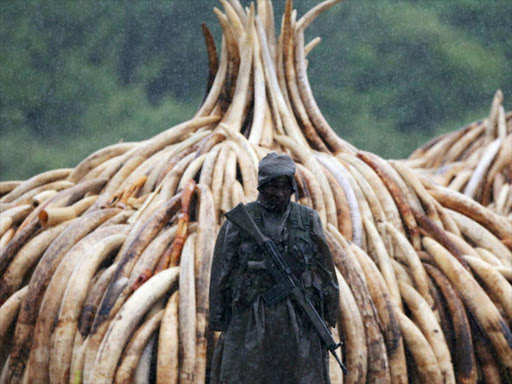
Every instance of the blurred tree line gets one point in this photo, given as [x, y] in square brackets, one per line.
[76, 76]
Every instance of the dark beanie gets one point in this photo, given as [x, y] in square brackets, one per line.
[274, 165]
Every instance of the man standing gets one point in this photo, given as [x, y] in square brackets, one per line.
[265, 343]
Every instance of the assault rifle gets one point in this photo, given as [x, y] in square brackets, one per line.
[286, 282]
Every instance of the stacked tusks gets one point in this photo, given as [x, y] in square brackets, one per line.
[474, 160]
[104, 268]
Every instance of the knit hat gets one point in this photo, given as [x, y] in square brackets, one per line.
[274, 165]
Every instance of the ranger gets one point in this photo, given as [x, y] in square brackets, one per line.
[262, 342]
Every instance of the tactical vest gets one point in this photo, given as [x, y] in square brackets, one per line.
[251, 278]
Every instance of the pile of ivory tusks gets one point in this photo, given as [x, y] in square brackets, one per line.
[475, 160]
[104, 268]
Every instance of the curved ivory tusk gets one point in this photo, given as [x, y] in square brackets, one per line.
[74, 297]
[52, 216]
[478, 175]
[205, 242]
[8, 186]
[136, 347]
[314, 12]
[346, 262]
[9, 310]
[85, 248]
[382, 299]
[475, 299]
[97, 158]
[464, 356]
[187, 312]
[126, 320]
[167, 360]
[26, 257]
[39, 282]
[13, 216]
[270, 73]
[34, 182]
[291, 81]
[30, 224]
[422, 354]
[341, 177]
[58, 185]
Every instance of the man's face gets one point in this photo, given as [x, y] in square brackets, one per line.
[277, 191]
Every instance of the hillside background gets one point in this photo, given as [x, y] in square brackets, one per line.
[76, 76]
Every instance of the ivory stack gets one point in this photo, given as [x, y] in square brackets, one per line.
[475, 160]
[104, 268]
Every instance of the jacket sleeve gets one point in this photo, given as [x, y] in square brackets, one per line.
[330, 281]
[223, 266]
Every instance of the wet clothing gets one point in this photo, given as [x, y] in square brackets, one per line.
[262, 343]
[274, 165]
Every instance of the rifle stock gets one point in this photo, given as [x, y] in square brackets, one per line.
[243, 220]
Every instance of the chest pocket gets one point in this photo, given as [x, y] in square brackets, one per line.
[303, 257]
[249, 251]
[252, 279]
[301, 247]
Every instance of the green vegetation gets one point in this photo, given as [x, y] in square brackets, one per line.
[76, 76]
